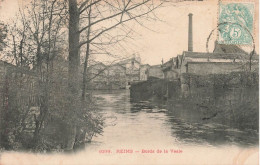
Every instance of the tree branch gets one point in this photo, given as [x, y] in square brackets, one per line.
[114, 15]
[120, 22]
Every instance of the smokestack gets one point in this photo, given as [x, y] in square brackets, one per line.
[190, 42]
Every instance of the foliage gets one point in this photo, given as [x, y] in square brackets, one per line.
[36, 104]
[21, 113]
[230, 99]
[54, 104]
[242, 79]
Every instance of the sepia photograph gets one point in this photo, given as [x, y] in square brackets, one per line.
[129, 82]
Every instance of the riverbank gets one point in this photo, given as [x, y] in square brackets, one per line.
[230, 100]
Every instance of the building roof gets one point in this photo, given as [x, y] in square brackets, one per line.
[210, 62]
[117, 64]
[145, 65]
[167, 65]
[223, 48]
[217, 55]
[127, 60]
[156, 66]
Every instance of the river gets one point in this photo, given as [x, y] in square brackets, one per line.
[154, 132]
[155, 123]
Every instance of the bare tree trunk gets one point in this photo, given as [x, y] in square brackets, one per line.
[85, 74]
[86, 58]
[74, 61]
[14, 51]
[21, 52]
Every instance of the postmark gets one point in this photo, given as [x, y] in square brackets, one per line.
[237, 22]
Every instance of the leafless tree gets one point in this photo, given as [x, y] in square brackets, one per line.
[94, 26]
[104, 18]
[36, 38]
[101, 17]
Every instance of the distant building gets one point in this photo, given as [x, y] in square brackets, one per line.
[97, 76]
[13, 78]
[115, 76]
[144, 69]
[132, 67]
[222, 48]
[224, 59]
[216, 63]
[171, 69]
[155, 71]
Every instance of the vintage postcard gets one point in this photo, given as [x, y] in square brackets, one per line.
[134, 82]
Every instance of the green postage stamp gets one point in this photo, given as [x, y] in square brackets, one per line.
[236, 22]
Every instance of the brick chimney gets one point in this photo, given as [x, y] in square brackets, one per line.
[190, 42]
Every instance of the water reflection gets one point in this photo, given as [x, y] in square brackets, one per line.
[161, 122]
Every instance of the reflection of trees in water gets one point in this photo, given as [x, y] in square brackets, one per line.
[140, 106]
[212, 134]
[236, 107]
[153, 105]
[217, 116]
[192, 120]
[210, 115]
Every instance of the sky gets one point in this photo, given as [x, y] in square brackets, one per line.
[171, 33]
[8, 9]
[172, 38]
